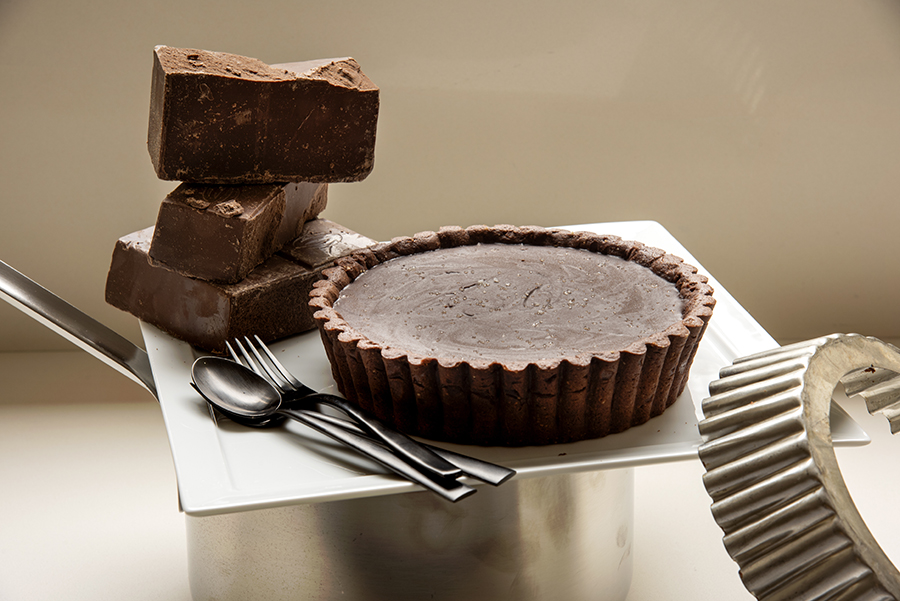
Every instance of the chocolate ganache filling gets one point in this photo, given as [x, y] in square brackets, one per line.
[508, 303]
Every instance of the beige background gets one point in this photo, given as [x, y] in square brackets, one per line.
[764, 135]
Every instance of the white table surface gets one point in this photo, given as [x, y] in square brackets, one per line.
[89, 510]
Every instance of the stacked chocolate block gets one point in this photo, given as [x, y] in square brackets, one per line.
[238, 244]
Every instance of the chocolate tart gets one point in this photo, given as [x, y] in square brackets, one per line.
[511, 335]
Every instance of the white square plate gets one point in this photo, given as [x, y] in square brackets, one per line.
[225, 467]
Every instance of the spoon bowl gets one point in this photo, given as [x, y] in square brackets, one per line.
[234, 389]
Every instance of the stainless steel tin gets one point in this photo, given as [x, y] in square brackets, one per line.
[566, 536]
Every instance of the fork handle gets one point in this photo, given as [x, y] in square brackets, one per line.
[413, 452]
[471, 466]
[447, 488]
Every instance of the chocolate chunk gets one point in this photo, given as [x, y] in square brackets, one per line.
[224, 118]
[271, 302]
[220, 233]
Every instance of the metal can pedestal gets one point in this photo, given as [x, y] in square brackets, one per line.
[566, 536]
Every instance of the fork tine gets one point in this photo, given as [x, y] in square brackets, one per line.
[237, 358]
[246, 359]
[270, 373]
[282, 370]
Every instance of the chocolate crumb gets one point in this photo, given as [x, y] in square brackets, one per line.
[197, 203]
[229, 208]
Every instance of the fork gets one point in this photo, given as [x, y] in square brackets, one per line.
[261, 360]
[485, 471]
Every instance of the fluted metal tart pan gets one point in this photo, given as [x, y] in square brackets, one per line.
[778, 494]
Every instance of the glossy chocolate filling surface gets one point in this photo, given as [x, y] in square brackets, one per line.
[502, 302]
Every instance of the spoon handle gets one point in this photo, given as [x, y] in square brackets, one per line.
[413, 452]
[485, 471]
[447, 488]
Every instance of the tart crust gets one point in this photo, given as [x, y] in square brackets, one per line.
[534, 403]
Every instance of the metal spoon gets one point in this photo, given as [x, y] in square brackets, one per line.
[238, 392]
